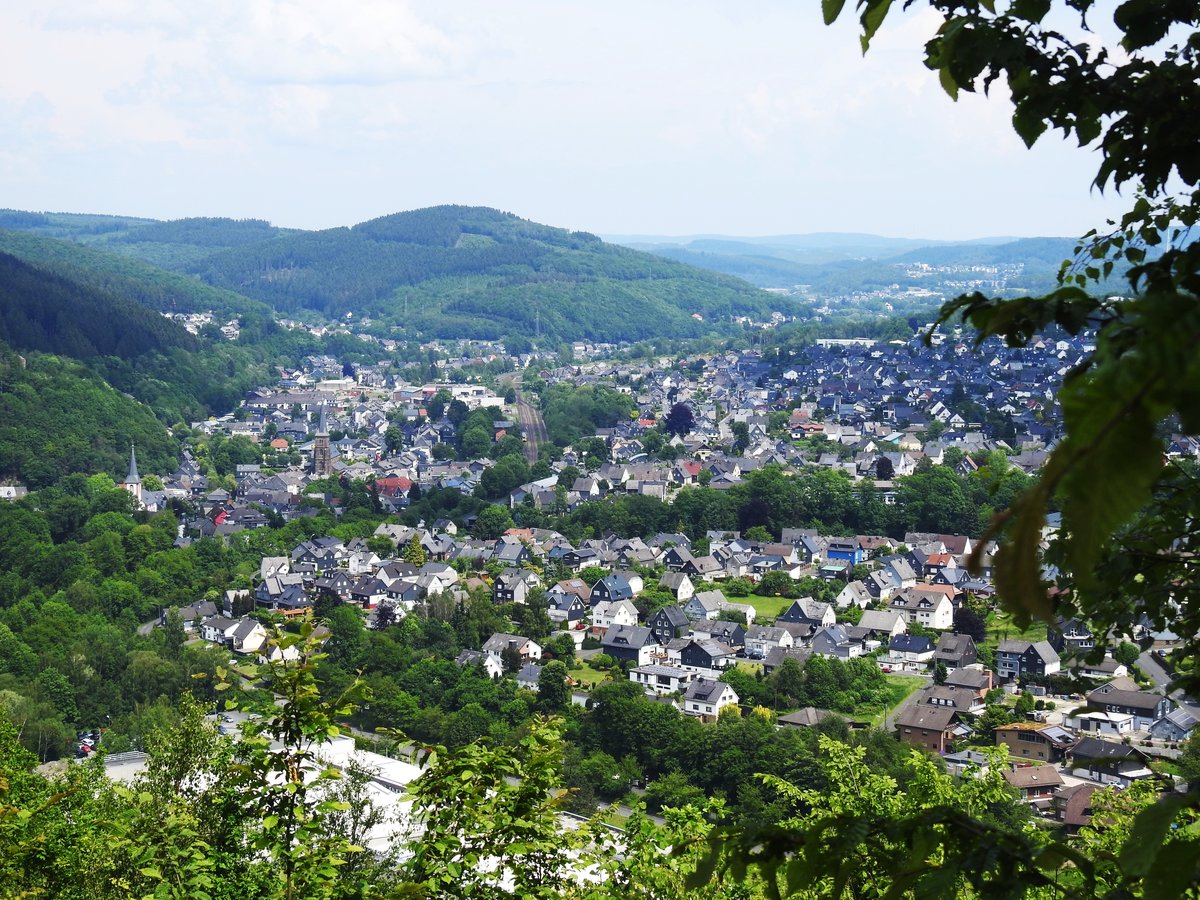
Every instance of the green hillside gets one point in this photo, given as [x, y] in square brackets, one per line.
[58, 417]
[94, 313]
[123, 276]
[456, 271]
[446, 271]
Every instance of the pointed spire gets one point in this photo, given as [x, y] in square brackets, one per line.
[322, 425]
[133, 477]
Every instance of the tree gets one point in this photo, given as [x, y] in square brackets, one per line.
[1126, 541]
[492, 522]
[553, 691]
[884, 470]
[414, 553]
[679, 420]
[967, 621]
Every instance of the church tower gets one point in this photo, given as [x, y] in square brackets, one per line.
[133, 481]
[322, 456]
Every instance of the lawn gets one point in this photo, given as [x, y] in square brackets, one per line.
[765, 607]
[587, 677]
[900, 687]
[1000, 627]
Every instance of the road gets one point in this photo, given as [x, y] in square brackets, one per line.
[889, 721]
[1162, 680]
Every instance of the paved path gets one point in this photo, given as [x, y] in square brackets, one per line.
[889, 721]
[1162, 680]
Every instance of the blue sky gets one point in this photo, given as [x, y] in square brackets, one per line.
[647, 117]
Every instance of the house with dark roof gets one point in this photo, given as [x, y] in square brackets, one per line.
[668, 623]
[1037, 784]
[1146, 708]
[928, 727]
[705, 698]
[1016, 659]
[630, 643]
[955, 651]
[1108, 762]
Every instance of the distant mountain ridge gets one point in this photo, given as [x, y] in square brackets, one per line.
[782, 261]
[445, 271]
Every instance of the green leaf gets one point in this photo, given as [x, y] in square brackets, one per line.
[874, 14]
[831, 9]
[1145, 841]
[152, 872]
[1028, 124]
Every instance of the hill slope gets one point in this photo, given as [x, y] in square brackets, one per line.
[446, 271]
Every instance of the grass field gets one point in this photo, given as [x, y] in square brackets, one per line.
[765, 607]
[586, 676]
[900, 686]
[1000, 627]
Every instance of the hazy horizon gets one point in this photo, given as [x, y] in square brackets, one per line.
[661, 119]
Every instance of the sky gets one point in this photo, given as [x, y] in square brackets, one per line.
[664, 117]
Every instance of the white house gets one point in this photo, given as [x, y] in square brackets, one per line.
[705, 697]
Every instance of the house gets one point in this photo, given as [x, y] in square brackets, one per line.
[607, 614]
[525, 649]
[679, 585]
[808, 611]
[528, 676]
[960, 698]
[1024, 659]
[883, 624]
[731, 633]
[630, 643]
[1071, 638]
[192, 615]
[514, 585]
[762, 639]
[668, 623]
[491, 664]
[1177, 725]
[844, 551]
[973, 677]
[1037, 784]
[706, 698]
[806, 717]
[854, 594]
[927, 727]
[705, 605]
[1146, 708]
[1073, 806]
[834, 642]
[776, 658]
[954, 651]
[565, 608]
[1037, 741]
[660, 679]
[909, 653]
[572, 586]
[612, 587]
[926, 607]
[707, 654]
[1108, 762]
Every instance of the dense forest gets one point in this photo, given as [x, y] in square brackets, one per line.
[448, 271]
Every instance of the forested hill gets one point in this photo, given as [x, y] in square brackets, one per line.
[446, 271]
[42, 311]
[65, 307]
[58, 417]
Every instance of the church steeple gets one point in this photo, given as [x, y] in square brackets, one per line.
[133, 477]
[322, 455]
[133, 481]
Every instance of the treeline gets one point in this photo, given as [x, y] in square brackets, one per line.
[935, 499]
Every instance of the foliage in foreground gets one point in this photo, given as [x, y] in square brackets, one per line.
[265, 816]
